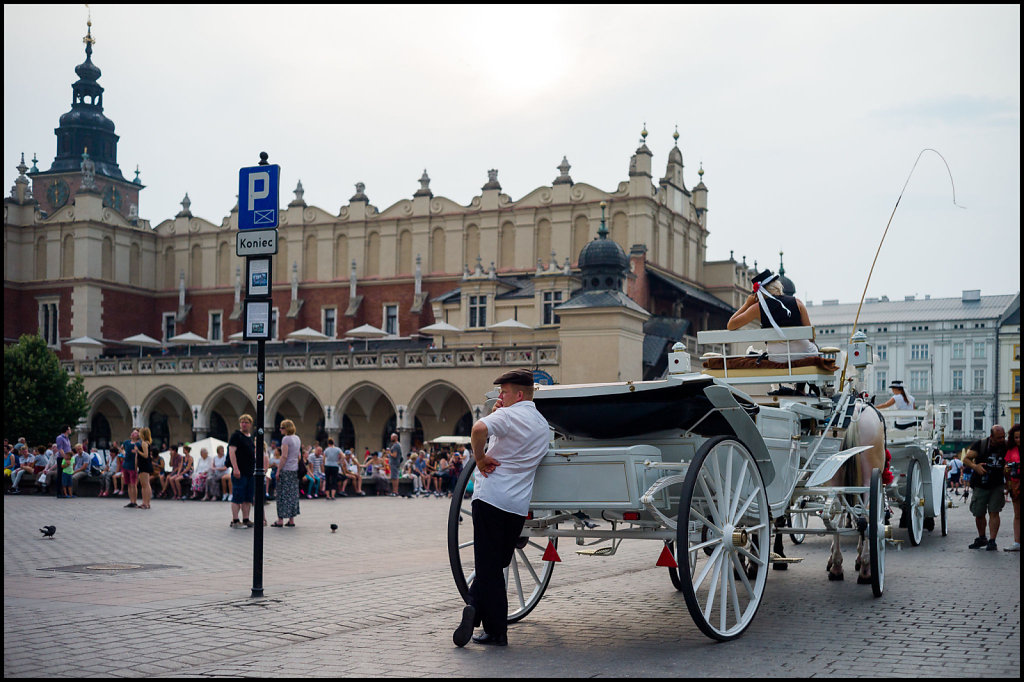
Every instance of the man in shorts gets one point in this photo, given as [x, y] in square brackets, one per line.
[242, 452]
[129, 472]
[986, 459]
[395, 462]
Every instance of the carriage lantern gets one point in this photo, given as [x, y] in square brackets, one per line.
[860, 350]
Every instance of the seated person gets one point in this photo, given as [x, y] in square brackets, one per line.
[769, 306]
[901, 400]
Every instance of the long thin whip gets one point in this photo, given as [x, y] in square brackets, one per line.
[856, 319]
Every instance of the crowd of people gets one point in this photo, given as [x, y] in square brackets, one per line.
[133, 470]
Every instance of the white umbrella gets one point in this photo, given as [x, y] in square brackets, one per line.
[141, 340]
[510, 325]
[86, 342]
[366, 332]
[307, 334]
[441, 329]
[189, 339]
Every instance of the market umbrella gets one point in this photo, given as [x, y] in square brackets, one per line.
[86, 342]
[441, 329]
[510, 325]
[188, 338]
[141, 340]
[307, 334]
[366, 332]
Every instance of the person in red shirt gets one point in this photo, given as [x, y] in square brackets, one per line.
[1013, 481]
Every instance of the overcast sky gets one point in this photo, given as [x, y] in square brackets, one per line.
[807, 119]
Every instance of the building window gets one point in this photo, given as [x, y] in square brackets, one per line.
[918, 380]
[958, 380]
[979, 380]
[979, 349]
[958, 350]
[979, 325]
[979, 420]
[1014, 416]
[1016, 352]
[48, 323]
[329, 323]
[919, 351]
[881, 382]
[959, 325]
[551, 299]
[477, 311]
[168, 326]
[883, 351]
[1015, 382]
[273, 324]
[958, 420]
[391, 319]
[215, 327]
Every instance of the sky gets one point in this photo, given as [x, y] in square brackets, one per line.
[807, 120]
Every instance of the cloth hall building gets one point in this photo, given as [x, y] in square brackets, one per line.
[577, 282]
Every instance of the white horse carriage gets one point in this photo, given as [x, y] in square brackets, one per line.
[706, 469]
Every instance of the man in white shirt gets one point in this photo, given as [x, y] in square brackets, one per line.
[517, 437]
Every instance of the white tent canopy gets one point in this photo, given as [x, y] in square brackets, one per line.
[509, 324]
[366, 331]
[142, 340]
[189, 338]
[441, 329]
[451, 440]
[84, 342]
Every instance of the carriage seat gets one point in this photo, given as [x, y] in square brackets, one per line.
[747, 369]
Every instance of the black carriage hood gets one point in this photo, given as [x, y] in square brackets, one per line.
[627, 409]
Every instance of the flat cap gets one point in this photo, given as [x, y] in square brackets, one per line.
[519, 377]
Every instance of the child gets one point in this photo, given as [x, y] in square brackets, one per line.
[65, 477]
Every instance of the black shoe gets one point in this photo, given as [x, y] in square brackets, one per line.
[130, 505]
[247, 523]
[465, 630]
[991, 546]
[978, 543]
[487, 638]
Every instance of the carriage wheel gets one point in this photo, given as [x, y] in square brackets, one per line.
[913, 506]
[724, 493]
[876, 532]
[798, 521]
[942, 509]
[526, 578]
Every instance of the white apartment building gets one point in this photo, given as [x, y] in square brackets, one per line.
[945, 350]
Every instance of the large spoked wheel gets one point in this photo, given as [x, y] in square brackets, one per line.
[526, 578]
[723, 499]
[798, 521]
[876, 532]
[942, 509]
[913, 505]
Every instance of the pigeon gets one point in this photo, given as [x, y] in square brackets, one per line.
[48, 531]
[334, 527]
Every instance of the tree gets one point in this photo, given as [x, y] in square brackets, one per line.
[39, 396]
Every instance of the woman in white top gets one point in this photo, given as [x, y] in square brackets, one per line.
[288, 476]
[901, 400]
[202, 471]
[216, 488]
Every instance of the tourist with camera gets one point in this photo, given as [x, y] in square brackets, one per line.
[987, 458]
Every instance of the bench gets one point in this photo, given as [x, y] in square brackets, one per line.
[770, 375]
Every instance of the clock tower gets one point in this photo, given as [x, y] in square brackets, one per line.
[85, 138]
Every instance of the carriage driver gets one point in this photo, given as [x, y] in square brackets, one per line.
[768, 305]
[517, 436]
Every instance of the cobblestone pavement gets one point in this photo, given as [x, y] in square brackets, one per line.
[377, 599]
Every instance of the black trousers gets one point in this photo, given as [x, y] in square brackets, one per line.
[495, 533]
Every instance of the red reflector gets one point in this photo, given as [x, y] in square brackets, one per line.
[550, 554]
[666, 559]
[529, 516]
[631, 516]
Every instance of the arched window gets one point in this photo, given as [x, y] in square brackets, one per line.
[224, 264]
[372, 263]
[405, 253]
[67, 260]
[437, 244]
[341, 265]
[40, 258]
[195, 279]
[580, 236]
[507, 247]
[309, 261]
[99, 431]
[135, 265]
[472, 246]
[543, 242]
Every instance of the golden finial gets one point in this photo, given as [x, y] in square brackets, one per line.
[88, 39]
[643, 133]
[675, 135]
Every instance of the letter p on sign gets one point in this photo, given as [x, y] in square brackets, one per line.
[263, 192]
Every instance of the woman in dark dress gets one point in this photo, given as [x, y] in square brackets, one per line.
[144, 465]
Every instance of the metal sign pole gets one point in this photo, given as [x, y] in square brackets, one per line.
[259, 476]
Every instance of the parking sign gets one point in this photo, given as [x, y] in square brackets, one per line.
[258, 199]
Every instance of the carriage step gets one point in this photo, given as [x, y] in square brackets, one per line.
[600, 551]
[776, 559]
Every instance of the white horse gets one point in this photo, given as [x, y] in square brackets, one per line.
[867, 427]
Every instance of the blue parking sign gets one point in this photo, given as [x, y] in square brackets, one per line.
[258, 199]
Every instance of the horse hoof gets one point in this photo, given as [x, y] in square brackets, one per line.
[828, 566]
[835, 576]
[863, 580]
[856, 565]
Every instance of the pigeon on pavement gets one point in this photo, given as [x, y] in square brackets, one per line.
[334, 527]
[48, 531]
